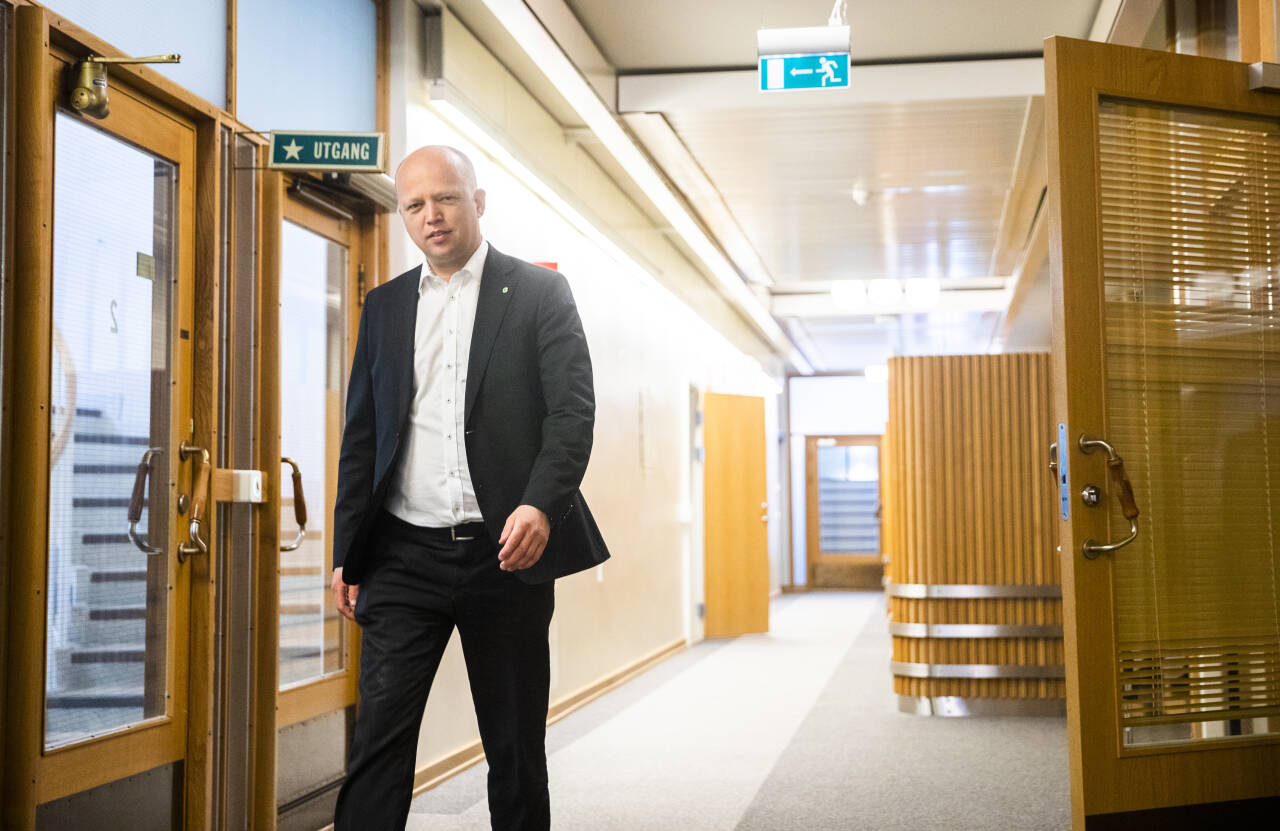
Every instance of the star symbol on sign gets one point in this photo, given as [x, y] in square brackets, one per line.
[292, 149]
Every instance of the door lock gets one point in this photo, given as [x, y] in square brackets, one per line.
[1091, 496]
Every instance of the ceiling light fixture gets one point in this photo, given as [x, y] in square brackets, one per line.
[849, 294]
[860, 194]
[521, 23]
[884, 293]
[923, 292]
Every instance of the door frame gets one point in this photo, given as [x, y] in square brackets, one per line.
[852, 563]
[49, 775]
[40, 36]
[1106, 777]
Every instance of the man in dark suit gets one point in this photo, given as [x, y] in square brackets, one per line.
[468, 428]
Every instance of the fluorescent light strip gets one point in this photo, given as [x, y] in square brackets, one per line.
[528, 31]
[458, 120]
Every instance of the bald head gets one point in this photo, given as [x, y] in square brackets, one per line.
[441, 206]
[439, 155]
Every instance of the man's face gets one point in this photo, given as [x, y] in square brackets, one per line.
[441, 210]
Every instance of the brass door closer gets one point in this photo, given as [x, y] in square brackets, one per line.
[89, 95]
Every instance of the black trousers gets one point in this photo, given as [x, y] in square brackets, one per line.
[421, 585]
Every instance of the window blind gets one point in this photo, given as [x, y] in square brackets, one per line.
[1189, 207]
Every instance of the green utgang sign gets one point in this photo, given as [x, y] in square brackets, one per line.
[359, 152]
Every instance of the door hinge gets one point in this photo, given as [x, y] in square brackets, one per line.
[360, 284]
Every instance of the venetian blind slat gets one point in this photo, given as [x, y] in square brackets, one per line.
[1189, 208]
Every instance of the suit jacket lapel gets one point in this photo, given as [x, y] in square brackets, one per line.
[497, 284]
[402, 325]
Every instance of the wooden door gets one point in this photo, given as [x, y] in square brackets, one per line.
[1164, 189]
[736, 515]
[842, 511]
[113, 516]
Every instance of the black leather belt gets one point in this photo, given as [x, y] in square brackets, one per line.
[394, 526]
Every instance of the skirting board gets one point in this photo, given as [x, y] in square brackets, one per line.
[428, 776]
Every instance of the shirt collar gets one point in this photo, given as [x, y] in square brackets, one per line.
[473, 268]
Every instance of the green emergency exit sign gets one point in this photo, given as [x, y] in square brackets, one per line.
[828, 71]
[356, 152]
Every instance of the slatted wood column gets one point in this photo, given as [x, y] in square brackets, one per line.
[972, 574]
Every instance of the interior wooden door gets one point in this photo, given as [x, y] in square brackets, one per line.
[115, 509]
[736, 515]
[842, 511]
[1164, 190]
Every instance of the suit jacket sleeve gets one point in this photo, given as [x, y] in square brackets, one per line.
[359, 448]
[564, 367]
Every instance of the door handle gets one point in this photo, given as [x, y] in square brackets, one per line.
[1053, 459]
[299, 506]
[137, 499]
[199, 495]
[1124, 493]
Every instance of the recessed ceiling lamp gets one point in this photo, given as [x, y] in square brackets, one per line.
[860, 193]
[923, 292]
[884, 292]
[849, 294]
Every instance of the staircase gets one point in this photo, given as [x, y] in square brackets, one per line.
[97, 584]
[847, 516]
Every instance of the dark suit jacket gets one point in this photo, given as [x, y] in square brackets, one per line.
[530, 409]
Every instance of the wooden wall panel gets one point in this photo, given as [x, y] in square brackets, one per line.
[968, 502]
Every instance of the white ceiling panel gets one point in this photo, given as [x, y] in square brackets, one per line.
[678, 34]
[935, 176]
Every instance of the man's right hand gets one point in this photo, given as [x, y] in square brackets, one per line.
[344, 596]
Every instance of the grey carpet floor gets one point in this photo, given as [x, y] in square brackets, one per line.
[796, 729]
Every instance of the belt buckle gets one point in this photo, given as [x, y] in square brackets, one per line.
[453, 534]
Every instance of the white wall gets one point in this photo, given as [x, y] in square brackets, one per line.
[195, 29]
[827, 406]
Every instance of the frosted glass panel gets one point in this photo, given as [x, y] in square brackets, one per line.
[108, 630]
[307, 65]
[195, 29]
[313, 366]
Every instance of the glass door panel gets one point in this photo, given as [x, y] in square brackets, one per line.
[1189, 201]
[313, 365]
[111, 488]
[849, 499]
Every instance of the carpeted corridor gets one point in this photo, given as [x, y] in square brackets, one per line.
[796, 729]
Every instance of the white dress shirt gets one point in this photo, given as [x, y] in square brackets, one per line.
[433, 486]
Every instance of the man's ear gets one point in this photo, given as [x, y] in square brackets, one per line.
[480, 202]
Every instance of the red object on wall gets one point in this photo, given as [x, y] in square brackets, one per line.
[552, 266]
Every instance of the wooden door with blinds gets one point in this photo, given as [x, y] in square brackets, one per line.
[1164, 197]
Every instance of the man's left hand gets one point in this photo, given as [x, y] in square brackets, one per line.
[523, 538]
